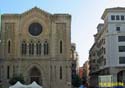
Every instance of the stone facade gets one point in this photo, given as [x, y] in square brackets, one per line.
[50, 63]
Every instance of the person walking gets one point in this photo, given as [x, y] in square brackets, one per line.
[82, 85]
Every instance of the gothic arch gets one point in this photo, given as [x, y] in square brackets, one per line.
[40, 73]
[35, 75]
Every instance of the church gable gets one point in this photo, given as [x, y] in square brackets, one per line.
[36, 10]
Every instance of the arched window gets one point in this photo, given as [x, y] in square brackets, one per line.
[8, 72]
[61, 47]
[24, 48]
[31, 48]
[38, 48]
[9, 46]
[46, 48]
[60, 72]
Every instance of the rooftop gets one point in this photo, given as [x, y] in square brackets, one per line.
[119, 9]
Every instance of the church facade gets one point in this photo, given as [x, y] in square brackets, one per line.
[37, 45]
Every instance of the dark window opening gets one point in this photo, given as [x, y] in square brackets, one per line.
[30, 49]
[38, 48]
[24, 48]
[60, 72]
[117, 17]
[121, 38]
[121, 60]
[122, 17]
[121, 48]
[112, 17]
[60, 46]
[9, 46]
[46, 48]
[8, 71]
[118, 29]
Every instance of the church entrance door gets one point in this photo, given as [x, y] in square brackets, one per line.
[35, 75]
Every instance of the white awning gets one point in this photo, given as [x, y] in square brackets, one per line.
[20, 85]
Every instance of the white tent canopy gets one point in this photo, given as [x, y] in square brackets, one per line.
[34, 85]
[20, 85]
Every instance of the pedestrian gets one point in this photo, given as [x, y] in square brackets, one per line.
[82, 85]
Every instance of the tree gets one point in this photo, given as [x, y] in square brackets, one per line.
[76, 81]
[16, 78]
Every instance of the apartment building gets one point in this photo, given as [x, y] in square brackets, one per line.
[107, 55]
[75, 58]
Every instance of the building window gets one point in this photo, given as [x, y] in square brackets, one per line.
[9, 46]
[118, 29]
[14, 70]
[121, 38]
[122, 17]
[112, 17]
[60, 72]
[61, 46]
[31, 48]
[38, 48]
[35, 29]
[8, 72]
[121, 48]
[117, 17]
[55, 72]
[24, 48]
[121, 60]
[46, 48]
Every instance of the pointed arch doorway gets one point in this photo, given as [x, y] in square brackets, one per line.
[35, 75]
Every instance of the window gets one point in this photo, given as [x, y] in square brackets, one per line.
[35, 29]
[117, 17]
[112, 17]
[46, 48]
[121, 48]
[38, 48]
[14, 70]
[60, 72]
[121, 60]
[8, 72]
[24, 48]
[121, 38]
[31, 48]
[55, 72]
[118, 29]
[60, 46]
[122, 17]
[9, 45]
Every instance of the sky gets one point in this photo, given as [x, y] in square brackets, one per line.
[86, 15]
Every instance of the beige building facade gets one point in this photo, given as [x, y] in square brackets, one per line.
[37, 45]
